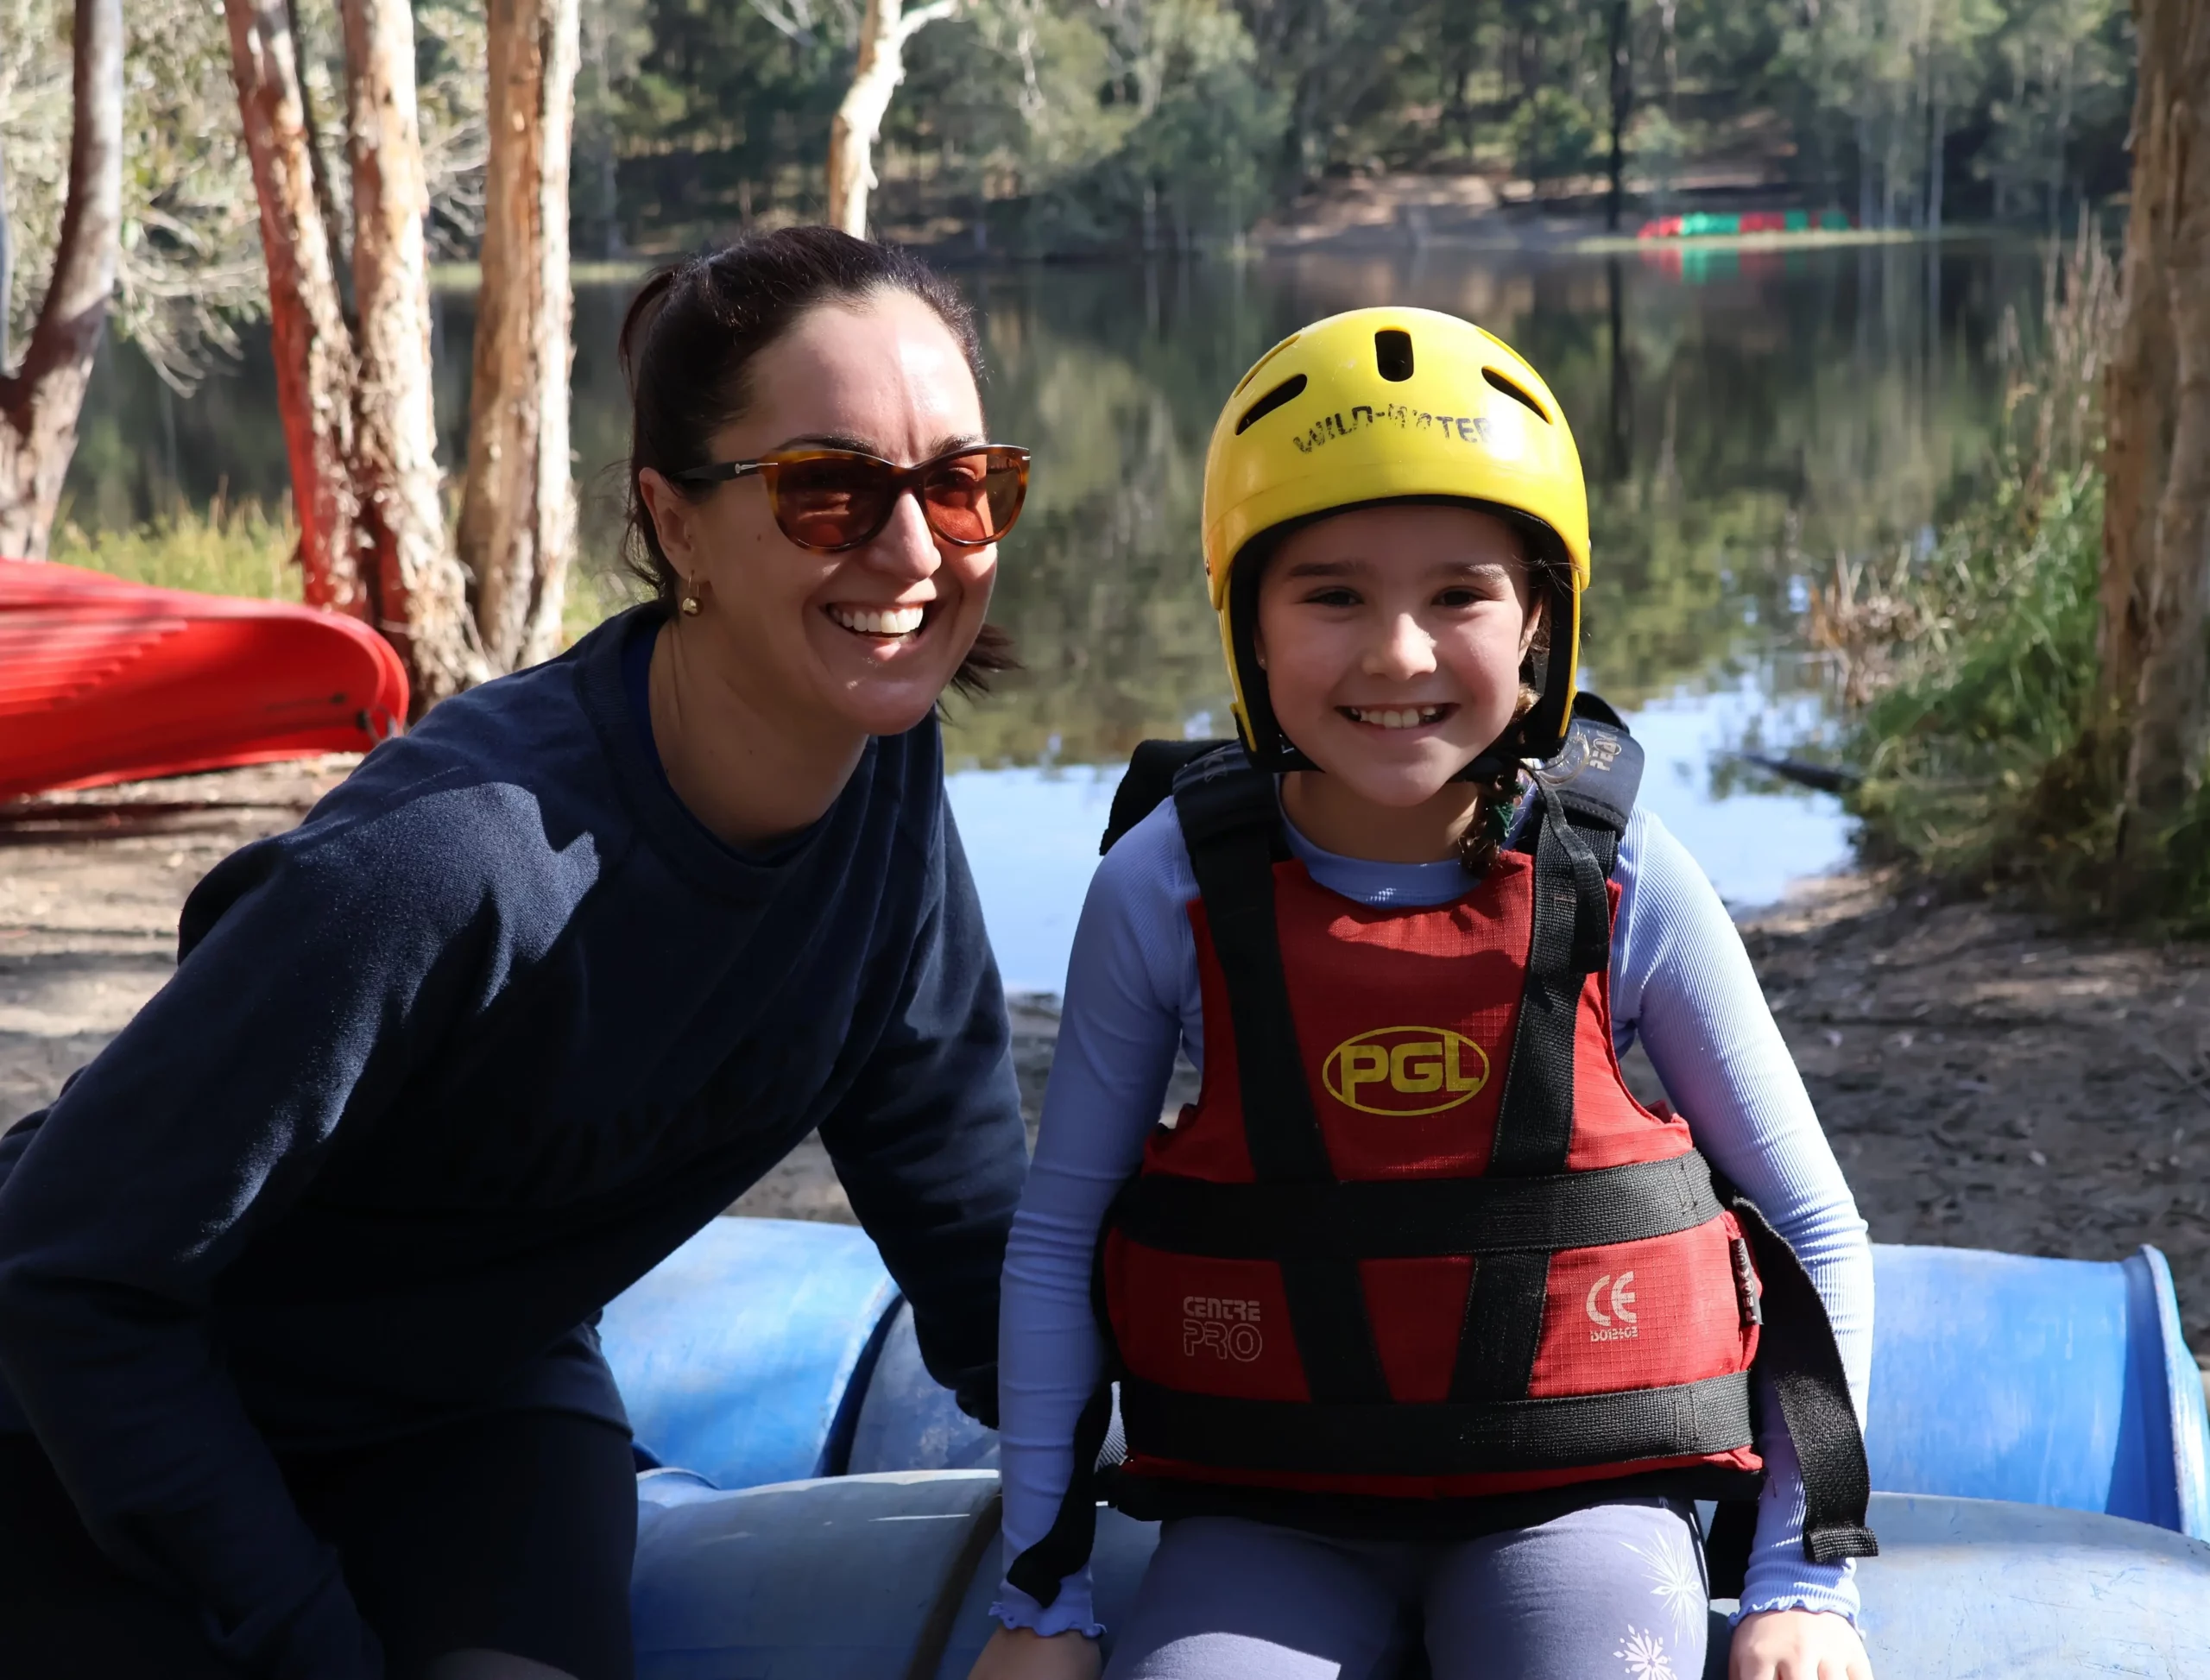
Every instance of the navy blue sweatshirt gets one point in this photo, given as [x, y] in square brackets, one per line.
[444, 1068]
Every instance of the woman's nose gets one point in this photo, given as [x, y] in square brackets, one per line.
[1402, 652]
[905, 548]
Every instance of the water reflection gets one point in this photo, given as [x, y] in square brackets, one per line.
[1743, 417]
[1032, 831]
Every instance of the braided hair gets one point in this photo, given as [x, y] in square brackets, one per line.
[1498, 798]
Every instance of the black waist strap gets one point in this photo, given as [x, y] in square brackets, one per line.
[1402, 1219]
[1485, 1437]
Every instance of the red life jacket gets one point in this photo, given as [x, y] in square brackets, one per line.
[1416, 1245]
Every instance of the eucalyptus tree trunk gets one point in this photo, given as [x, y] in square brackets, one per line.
[2155, 579]
[517, 514]
[1621, 46]
[40, 401]
[308, 334]
[884, 31]
[355, 393]
[7, 262]
[421, 590]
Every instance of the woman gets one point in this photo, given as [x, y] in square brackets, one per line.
[297, 1279]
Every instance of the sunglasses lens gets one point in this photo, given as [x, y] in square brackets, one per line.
[829, 501]
[974, 499]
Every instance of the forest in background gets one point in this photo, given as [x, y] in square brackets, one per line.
[1055, 126]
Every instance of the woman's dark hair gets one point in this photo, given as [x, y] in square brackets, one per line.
[687, 346]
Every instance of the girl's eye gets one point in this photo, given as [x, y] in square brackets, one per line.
[1457, 597]
[1333, 597]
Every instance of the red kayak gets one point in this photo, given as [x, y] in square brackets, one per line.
[101, 681]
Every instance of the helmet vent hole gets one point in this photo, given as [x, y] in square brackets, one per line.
[1263, 360]
[1287, 391]
[1513, 391]
[1392, 353]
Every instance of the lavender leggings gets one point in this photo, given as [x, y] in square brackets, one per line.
[1610, 1592]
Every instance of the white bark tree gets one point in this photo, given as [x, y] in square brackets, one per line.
[421, 593]
[884, 31]
[517, 517]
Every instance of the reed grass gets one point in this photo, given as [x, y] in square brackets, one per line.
[1967, 670]
[226, 548]
[242, 548]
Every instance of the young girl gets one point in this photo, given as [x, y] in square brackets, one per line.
[1423, 1328]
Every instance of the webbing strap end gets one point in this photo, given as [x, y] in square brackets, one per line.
[1833, 1542]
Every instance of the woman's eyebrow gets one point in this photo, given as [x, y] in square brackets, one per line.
[826, 440]
[944, 446]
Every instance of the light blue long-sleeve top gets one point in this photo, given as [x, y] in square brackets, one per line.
[1681, 982]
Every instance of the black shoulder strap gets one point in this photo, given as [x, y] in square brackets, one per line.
[1231, 822]
[1583, 797]
[1148, 780]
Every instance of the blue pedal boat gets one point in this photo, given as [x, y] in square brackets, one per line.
[812, 1505]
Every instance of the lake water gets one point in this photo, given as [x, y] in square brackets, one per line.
[1742, 419]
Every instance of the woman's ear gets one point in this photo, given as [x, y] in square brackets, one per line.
[670, 512]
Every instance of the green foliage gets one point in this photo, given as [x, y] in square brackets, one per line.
[239, 548]
[1111, 125]
[1063, 125]
[1968, 759]
[1552, 136]
[1972, 665]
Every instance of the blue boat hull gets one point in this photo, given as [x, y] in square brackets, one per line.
[861, 1577]
[2037, 1427]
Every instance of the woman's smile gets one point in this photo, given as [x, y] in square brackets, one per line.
[895, 621]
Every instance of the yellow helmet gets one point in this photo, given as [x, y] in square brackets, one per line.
[1387, 405]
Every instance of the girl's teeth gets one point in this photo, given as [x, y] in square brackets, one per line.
[1395, 718]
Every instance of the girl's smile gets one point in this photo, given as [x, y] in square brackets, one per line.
[1392, 639]
[1400, 716]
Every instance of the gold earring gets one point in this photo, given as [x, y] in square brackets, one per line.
[691, 607]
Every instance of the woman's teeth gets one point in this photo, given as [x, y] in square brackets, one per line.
[888, 621]
[1392, 717]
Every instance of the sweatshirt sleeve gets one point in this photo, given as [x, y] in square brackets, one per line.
[1683, 983]
[299, 1008]
[929, 1143]
[1124, 1016]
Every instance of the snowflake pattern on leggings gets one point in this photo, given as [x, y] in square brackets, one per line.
[1677, 1582]
[1646, 1656]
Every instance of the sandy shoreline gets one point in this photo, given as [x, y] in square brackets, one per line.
[1990, 1079]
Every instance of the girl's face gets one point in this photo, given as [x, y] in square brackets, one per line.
[1391, 638]
[867, 639]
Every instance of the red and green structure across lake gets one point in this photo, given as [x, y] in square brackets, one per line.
[1733, 224]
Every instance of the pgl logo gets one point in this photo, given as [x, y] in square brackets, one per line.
[1586, 748]
[1607, 1290]
[1229, 1328]
[1405, 1071]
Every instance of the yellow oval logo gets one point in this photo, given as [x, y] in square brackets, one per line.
[1405, 1071]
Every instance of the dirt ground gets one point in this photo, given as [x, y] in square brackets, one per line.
[1989, 1078]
